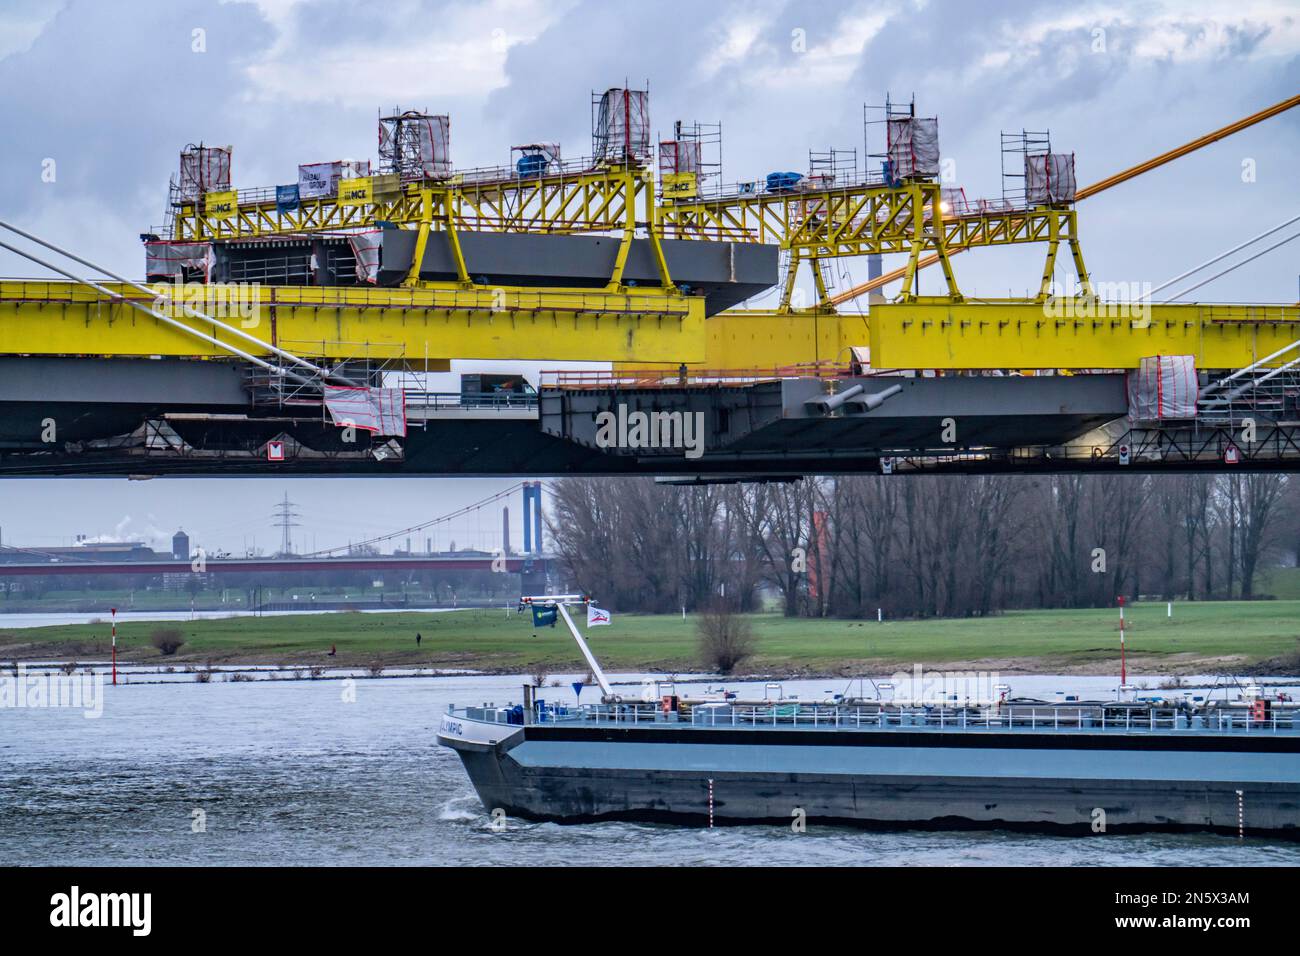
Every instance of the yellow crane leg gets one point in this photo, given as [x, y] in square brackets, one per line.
[1049, 266]
[1081, 271]
[787, 289]
[820, 282]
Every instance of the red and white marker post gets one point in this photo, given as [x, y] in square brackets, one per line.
[114, 613]
[1123, 668]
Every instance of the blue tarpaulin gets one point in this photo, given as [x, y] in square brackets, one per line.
[544, 616]
[531, 164]
[286, 197]
[782, 182]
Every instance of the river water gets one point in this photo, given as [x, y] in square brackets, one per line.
[26, 619]
[289, 772]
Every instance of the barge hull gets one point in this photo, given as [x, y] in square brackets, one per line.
[888, 781]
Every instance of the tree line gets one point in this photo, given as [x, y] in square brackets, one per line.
[923, 546]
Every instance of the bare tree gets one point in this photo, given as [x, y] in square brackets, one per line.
[1260, 492]
[921, 545]
[726, 639]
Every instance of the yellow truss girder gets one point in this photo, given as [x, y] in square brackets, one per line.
[851, 220]
[870, 219]
[432, 322]
[594, 200]
[262, 218]
[559, 204]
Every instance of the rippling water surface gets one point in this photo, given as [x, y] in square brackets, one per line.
[287, 772]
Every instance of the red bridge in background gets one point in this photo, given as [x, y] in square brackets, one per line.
[468, 562]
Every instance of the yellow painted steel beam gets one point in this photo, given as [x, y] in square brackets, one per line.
[762, 340]
[1008, 334]
[849, 220]
[590, 201]
[253, 219]
[398, 324]
[564, 203]
[1071, 334]
[638, 327]
[752, 339]
[857, 220]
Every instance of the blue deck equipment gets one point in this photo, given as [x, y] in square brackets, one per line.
[783, 182]
[531, 164]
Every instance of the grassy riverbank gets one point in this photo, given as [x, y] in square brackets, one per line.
[1202, 637]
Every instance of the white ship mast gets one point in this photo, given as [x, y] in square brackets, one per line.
[562, 603]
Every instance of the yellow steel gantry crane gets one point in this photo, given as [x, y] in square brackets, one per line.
[1123, 176]
[948, 332]
[428, 323]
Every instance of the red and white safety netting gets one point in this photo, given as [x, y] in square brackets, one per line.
[623, 126]
[173, 258]
[1163, 386]
[1049, 178]
[679, 156]
[433, 139]
[204, 169]
[435, 146]
[913, 146]
[367, 247]
[378, 410]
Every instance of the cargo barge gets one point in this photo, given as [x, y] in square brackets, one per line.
[1071, 767]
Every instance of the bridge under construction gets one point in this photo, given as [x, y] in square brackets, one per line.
[294, 328]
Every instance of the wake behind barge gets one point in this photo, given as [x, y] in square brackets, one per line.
[1063, 766]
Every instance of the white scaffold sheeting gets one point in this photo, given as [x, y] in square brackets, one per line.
[366, 246]
[1163, 386]
[435, 146]
[913, 148]
[954, 202]
[378, 410]
[415, 145]
[623, 125]
[1049, 178]
[680, 156]
[172, 258]
[204, 169]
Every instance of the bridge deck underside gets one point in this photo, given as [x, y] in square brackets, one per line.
[174, 417]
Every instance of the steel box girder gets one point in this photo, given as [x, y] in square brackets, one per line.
[417, 325]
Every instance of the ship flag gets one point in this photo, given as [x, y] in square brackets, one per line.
[596, 616]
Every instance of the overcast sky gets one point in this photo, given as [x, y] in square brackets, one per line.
[111, 91]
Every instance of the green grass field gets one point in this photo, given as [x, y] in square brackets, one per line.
[1045, 641]
[1282, 583]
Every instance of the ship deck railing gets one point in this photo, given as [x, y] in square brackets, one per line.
[1106, 718]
